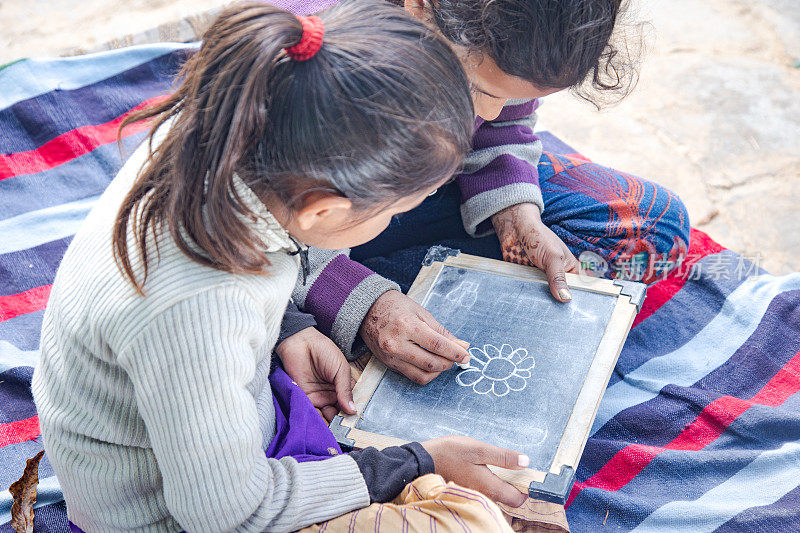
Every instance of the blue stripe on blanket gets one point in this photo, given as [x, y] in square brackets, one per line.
[90, 105]
[35, 228]
[705, 298]
[769, 476]
[34, 267]
[33, 77]
[23, 331]
[23, 451]
[778, 516]
[659, 420]
[738, 318]
[84, 176]
[686, 476]
[16, 400]
[12, 357]
[775, 341]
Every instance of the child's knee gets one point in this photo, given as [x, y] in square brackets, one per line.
[659, 249]
[671, 229]
[669, 237]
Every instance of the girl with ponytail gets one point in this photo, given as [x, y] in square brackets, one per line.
[158, 402]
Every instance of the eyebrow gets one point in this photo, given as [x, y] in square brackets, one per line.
[483, 92]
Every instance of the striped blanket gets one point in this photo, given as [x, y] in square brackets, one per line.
[699, 429]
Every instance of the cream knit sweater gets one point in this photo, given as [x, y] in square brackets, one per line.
[156, 410]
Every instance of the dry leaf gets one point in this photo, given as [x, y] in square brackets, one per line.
[24, 493]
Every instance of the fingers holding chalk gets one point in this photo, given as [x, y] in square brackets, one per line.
[465, 363]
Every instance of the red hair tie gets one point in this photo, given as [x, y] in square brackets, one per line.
[310, 41]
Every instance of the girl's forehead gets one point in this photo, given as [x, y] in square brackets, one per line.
[486, 77]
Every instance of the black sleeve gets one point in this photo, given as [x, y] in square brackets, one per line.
[388, 471]
[294, 320]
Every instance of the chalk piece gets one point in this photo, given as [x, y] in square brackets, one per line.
[465, 365]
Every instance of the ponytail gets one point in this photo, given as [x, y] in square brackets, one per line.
[380, 110]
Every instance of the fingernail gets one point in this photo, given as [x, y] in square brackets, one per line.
[523, 460]
[565, 295]
[352, 406]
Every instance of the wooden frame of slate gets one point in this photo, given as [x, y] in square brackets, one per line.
[544, 408]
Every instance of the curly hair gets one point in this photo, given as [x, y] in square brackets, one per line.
[551, 43]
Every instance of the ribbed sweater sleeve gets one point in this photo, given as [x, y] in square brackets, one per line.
[389, 470]
[501, 170]
[339, 292]
[190, 369]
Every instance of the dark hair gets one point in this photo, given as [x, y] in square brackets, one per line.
[551, 43]
[381, 112]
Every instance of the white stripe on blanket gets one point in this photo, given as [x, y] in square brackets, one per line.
[740, 315]
[45, 225]
[11, 356]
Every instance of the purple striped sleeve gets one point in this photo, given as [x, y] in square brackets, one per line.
[517, 111]
[502, 168]
[330, 290]
[492, 135]
[501, 171]
[340, 296]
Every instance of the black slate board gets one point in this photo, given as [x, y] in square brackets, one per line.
[508, 320]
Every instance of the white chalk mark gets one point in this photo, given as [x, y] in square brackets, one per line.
[465, 295]
[498, 371]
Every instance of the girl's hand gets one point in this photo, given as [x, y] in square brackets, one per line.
[405, 337]
[526, 240]
[463, 460]
[318, 367]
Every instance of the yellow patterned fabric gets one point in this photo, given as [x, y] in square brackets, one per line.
[426, 504]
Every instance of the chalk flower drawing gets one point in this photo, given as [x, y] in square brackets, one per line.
[498, 371]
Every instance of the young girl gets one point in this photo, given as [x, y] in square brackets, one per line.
[511, 200]
[153, 389]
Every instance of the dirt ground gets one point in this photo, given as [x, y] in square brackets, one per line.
[715, 117]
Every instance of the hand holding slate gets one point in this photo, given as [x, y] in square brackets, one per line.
[405, 337]
[463, 460]
[526, 240]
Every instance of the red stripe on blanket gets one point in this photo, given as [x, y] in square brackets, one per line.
[71, 144]
[19, 431]
[702, 431]
[700, 246]
[32, 300]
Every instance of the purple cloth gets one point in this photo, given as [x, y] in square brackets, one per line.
[300, 431]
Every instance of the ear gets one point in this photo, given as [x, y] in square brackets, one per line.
[417, 8]
[322, 209]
